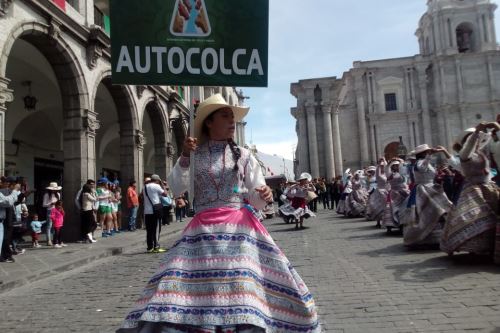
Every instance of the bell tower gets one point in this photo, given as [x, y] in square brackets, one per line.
[457, 26]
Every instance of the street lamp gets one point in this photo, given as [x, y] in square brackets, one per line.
[29, 100]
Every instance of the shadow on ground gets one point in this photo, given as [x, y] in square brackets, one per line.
[442, 268]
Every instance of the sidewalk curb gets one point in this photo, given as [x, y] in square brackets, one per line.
[43, 274]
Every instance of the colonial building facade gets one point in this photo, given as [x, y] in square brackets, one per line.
[62, 119]
[452, 84]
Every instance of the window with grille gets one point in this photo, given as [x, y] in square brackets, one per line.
[390, 102]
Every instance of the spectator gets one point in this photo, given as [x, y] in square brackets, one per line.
[36, 230]
[153, 213]
[78, 205]
[132, 205]
[116, 204]
[57, 218]
[180, 206]
[87, 201]
[104, 209]
[51, 196]
[167, 202]
[19, 225]
[9, 191]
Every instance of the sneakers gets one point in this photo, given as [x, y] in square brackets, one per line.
[49, 243]
[104, 235]
[150, 251]
[10, 260]
[63, 244]
[58, 246]
[159, 250]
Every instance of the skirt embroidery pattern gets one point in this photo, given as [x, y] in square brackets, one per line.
[227, 270]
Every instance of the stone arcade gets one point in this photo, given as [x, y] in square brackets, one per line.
[57, 54]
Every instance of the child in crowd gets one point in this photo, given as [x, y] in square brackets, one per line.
[36, 230]
[57, 216]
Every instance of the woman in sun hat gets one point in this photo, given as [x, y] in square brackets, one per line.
[423, 216]
[397, 195]
[51, 196]
[472, 225]
[225, 274]
[378, 197]
[357, 200]
[342, 207]
[300, 194]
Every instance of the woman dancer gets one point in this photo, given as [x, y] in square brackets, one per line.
[474, 222]
[423, 217]
[357, 200]
[299, 194]
[378, 198]
[225, 274]
[397, 195]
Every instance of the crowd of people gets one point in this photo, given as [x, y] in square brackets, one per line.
[100, 207]
[435, 198]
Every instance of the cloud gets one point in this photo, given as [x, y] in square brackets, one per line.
[285, 148]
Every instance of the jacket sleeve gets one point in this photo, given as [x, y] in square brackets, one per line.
[8, 200]
[254, 179]
[178, 179]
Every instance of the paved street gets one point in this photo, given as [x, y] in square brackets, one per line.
[362, 280]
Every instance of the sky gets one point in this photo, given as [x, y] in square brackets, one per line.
[322, 38]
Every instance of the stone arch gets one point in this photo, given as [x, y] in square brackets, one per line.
[159, 123]
[60, 56]
[128, 115]
[466, 37]
[78, 159]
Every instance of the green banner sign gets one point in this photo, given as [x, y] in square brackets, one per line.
[190, 42]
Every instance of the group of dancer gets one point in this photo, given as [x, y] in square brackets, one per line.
[405, 194]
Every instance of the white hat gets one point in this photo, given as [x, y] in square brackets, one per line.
[347, 171]
[53, 187]
[411, 155]
[371, 168]
[208, 106]
[422, 148]
[305, 175]
[464, 133]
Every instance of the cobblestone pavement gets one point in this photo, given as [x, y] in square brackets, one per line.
[362, 279]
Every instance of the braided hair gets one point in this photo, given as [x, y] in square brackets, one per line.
[236, 152]
[234, 147]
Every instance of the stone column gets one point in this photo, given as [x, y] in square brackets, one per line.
[327, 130]
[363, 135]
[132, 143]
[79, 134]
[426, 119]
[339, 163]
[313, 141]
[303, 142]
[6, 96]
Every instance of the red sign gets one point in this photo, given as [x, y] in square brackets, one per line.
[61, 4]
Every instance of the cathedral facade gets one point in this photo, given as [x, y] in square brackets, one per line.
[381, 105]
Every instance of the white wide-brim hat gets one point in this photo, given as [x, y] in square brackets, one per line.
[395, 162]
[422, 148]
[371, 168]
[210, 105]
[464, 133]
[53, 187]
[305, 175]
[411, 155]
